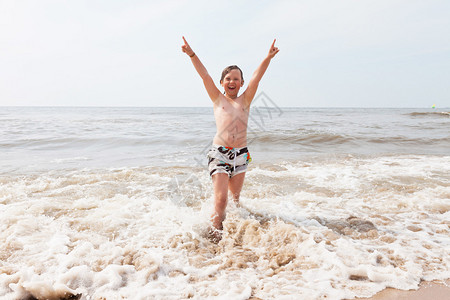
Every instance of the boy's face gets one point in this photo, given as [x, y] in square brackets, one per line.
[232, 83]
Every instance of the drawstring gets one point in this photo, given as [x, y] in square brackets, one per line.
[234, 160]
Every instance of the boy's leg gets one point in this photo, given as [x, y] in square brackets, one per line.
[220, 183]
[235, 186]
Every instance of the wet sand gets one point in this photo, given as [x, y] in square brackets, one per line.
[427, 291]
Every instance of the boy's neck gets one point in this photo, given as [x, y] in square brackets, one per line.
[230, 97]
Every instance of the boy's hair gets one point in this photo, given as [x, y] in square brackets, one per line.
[228, 70]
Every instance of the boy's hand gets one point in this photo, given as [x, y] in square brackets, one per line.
[273, 50]
[187, 49]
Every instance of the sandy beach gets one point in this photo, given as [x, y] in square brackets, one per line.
[427, 291]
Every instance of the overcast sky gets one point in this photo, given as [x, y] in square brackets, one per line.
[352, 53]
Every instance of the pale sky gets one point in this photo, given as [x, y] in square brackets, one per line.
[351, 53]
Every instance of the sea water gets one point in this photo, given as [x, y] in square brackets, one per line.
[114, 203]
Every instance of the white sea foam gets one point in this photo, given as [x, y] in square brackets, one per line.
[334, 204]
[338, 228]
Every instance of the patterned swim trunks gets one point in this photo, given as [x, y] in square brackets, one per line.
[231, 161]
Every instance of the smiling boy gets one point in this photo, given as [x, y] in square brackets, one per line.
[228, 157]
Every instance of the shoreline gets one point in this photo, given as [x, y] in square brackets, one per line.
[428, 290]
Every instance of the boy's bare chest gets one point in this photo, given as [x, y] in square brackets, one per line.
[228, 109]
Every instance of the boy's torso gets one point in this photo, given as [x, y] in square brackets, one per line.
[231, 120]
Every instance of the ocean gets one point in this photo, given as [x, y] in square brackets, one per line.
[114, 203]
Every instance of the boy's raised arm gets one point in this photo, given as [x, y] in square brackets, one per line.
[211, 88]
[250, 92]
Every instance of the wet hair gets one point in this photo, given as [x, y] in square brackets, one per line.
[228, 70]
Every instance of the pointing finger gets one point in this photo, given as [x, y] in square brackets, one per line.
[273, 44]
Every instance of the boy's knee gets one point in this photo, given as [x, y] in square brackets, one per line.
[221, 200]
[235, 196]
[221, 196]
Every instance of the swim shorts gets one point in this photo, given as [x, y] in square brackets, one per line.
[231, 161]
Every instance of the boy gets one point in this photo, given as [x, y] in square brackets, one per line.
[229, 156]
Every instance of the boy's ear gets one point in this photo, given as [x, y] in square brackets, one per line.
[242, 83]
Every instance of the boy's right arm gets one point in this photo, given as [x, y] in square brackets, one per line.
[211, 88]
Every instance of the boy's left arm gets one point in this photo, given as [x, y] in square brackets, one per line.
[250, 92]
